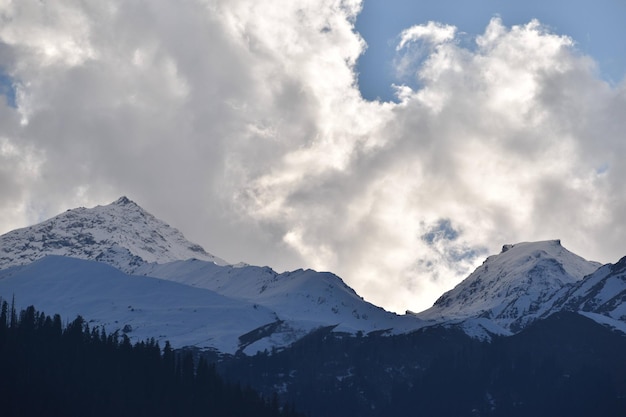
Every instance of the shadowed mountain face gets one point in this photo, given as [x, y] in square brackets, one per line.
[564, 365]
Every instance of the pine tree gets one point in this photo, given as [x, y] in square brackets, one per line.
[4, 312]
[75, 371]
[13, 314]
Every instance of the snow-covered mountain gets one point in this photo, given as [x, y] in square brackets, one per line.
[119, 266]
[121, 234]
[511, 289]
[140, 307]
[601, 296]
[124, 270]
[133, 259]
[306, 297]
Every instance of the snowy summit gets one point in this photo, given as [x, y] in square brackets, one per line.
[514, 287]
[121, 234]
[120, 267]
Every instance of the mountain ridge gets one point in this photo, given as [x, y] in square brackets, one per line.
[526, 282]
[513, 288]
[138, 306]
[133, 243]
[532, 326]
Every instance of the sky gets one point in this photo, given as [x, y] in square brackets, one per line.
[396, 144]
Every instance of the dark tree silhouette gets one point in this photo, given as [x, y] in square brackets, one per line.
[46, 369]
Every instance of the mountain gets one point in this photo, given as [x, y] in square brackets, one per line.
[309, 298]
[140, 307]
[121, 268]
[121, 234]
[601, 296]
[511, 289]
[562, 365]
[532, 331]
[525, 282]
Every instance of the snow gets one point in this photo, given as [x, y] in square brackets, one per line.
[105, 296]
[149, 277]
[121, 234]
[612, 287]
[118, 266]
[513, 288]
[309, 298]
[483, 329]
[600, 296]
[189, 315]
[586, 286]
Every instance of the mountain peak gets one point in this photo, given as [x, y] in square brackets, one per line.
[555, 243]
[123, 201]
[509, 288]
[121, 234]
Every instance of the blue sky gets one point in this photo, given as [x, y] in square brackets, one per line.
[598, 28]
[252, 126]
[6, 88]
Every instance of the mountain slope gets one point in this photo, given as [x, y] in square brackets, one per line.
[513, 288]
[304, 296]
[37, 262]
[564, 365]
[121, 234]
[140, 277]
[601, 296]
[142, 307]
[525, 282]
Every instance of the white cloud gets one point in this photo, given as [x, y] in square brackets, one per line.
[241, 123]
[47, 34]
[418, 42]
[432, 32]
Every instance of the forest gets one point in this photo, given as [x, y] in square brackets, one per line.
[563, 365]
[51, 369]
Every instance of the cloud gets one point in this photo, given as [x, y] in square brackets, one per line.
[241, 123]
[417, 43]
[487, 144]
[433, 32]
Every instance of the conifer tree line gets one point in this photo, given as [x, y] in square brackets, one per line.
[48, 369]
